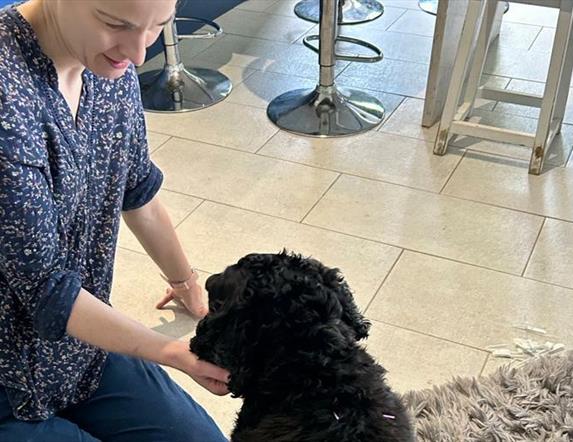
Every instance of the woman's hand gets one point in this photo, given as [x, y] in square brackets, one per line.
[209, 376]
[191, 299]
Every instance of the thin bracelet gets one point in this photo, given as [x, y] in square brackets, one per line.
[177, 285]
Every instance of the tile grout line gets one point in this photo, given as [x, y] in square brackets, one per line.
[450, 176]
[376, 292]
[127, 249]
[535, 39]
[440, 338]
[383, 243]
[487, 357]
[152, 151]
[189, 214]
[533, 247]
[320, 198]
[387, 117]
[256, 152]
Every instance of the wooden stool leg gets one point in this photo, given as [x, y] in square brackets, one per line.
[472, 23]
[557, 65]
[478, 62]
[565, 83]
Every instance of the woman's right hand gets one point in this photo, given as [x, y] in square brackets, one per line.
[209, 376]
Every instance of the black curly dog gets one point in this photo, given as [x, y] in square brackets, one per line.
[286, 327]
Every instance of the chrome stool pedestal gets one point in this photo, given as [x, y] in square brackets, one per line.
[328, 111]
[350, 11]
[176, 88]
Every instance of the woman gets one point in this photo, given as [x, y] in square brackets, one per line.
[73, 156]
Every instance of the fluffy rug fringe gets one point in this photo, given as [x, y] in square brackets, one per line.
[530, 403]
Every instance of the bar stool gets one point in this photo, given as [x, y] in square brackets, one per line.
[351, 12]
[464, 85]
[327, 110]
[176, 88]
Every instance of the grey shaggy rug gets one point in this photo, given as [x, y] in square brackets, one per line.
[530, 403]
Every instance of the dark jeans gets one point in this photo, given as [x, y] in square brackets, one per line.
[135, 402]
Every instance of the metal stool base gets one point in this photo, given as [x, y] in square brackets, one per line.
[353, 11]
[182, 90]
[325, 111]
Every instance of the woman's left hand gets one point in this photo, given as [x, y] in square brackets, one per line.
[191, 299]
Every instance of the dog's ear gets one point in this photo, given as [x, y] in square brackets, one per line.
[225, 336]
[339, 292]
[350, 314]
[221, 339]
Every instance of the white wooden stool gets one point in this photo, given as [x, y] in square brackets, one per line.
[468, 67]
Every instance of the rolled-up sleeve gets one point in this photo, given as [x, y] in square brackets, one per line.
[29, 248]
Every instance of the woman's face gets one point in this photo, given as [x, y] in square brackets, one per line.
[107, 35]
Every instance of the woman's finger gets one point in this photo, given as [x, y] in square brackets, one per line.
[167, 298]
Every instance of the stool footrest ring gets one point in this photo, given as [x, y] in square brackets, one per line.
[346, 57]
[217, 28]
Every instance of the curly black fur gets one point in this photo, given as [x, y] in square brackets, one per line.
[287, 329]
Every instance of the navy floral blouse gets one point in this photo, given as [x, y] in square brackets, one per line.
[63, 184]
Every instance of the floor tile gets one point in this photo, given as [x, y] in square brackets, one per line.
[535, 88]
[260, 88]
[407, 121]
[244, 51]
[264, 55]
[415, 22]
[378, 26]
[137, 287]
[216, 236]
[374, 155]
[469, 305]
[552, 260]
[517, 35]
[430, 223]
[394, 76]
[518, 63]
[258, 5]
[178, 207]
[283, 7]
[531, 14]
[398, 46]
[408, 4]
[155, 140]
[225, 124]
[544, 41]
[506, 183]
[415, 361]
[241, 179]
[262, 25]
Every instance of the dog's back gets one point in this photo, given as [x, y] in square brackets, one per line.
[348, 403]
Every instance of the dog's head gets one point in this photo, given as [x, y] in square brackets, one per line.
[267, 309]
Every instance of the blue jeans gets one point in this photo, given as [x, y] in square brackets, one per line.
[135, 402]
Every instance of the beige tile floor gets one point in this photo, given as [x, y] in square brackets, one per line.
[445, 254]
